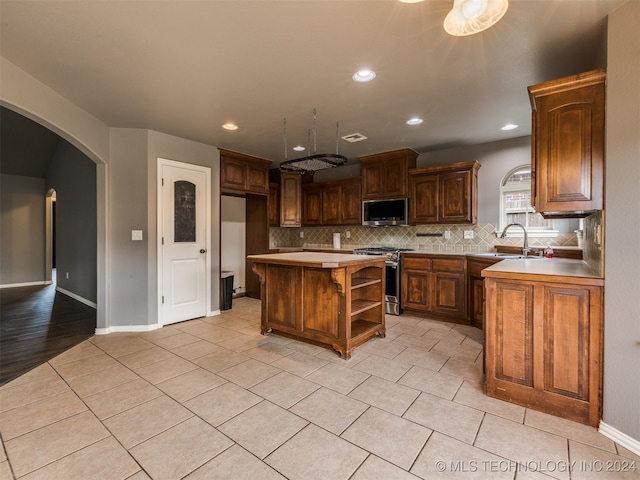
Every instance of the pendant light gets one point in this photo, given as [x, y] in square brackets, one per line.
[472, 16]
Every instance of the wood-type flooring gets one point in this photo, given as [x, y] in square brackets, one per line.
[36, 324]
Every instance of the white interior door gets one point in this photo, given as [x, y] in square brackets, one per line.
[184, 224]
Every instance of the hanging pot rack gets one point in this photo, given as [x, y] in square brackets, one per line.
[316, 161]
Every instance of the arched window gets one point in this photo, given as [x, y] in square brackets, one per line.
[515, 205]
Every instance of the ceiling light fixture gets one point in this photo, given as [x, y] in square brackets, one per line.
[230, 126]
[317, 161]
[411, 1]
[364, 75]
[509, 126]
[414, 121]
[299, 148]
[472, 16]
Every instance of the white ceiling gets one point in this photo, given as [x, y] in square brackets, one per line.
[186, 67]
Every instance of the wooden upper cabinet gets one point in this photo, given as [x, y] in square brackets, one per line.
[444, 194]
[290, 199]
[312, 205]
[243, 173]
[351, 202]
[342, 202]
[568, 132]
[385, 175]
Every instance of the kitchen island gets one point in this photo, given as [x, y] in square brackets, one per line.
[543, 336]
[334, 300]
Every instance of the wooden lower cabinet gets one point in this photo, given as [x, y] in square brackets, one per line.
[336, 304]
[475, 288]
[435, 285]
[544, 346]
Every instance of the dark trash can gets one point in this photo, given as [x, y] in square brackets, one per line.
[227, 290]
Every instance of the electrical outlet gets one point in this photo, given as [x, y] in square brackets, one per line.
[347, 234]
[468, 234]
[301, 234]
[447, 234]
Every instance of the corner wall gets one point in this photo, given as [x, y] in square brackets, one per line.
[622, 247]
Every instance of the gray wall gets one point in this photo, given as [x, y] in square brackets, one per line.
[22, 230]
[622, 224]
[73, 176]
[133, 196]
[128, 211]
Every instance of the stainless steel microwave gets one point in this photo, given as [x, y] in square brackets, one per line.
[385, 212]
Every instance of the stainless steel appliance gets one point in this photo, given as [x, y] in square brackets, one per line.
[392, 274]
[385, 212]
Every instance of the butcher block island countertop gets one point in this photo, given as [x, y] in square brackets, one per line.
[335, 300]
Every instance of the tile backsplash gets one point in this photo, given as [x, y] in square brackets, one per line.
[484, 238]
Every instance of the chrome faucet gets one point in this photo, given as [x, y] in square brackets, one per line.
[525, 248]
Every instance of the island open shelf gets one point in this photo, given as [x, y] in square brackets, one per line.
[328, 299]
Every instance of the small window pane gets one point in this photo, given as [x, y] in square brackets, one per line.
[184, 219]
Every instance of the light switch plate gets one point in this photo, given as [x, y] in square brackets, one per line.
[447, 234]
[136, 234]
[468, 234]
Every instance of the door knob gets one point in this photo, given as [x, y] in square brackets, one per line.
[202, 250]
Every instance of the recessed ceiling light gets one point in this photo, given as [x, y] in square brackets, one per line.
[299, 148]
[411, 1]
[414, 121]
[509, 126]
[230, 126]
[364, 75]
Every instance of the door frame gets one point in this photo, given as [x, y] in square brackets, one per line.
[159, 259]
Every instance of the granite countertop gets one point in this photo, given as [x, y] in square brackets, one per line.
[316, 259]
[552, 269]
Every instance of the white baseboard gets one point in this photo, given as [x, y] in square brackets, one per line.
[76, 297]
[126, 328]
[25, 284]
[213, 313]
[620, 438]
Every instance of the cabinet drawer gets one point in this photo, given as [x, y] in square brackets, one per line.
[416, 263]
[448, 265]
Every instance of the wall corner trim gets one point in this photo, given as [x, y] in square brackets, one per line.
[620, 438]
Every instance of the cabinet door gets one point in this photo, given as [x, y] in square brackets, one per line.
[509, 334]
[447, 292]
[290, 214]
[415, 289]
[257, 179]
[395, 179]
[570, 342]
[233, 173]
[424, 199]
[568, 142]
[274, 205]
[476, 301]
[372, 180]
[351, 204]
[455, 197]
[331, 195]
[312, 206]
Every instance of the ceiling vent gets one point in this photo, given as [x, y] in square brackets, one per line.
[354, 137]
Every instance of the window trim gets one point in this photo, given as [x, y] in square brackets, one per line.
[532, 232]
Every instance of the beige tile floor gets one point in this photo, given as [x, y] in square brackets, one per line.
[213, 399]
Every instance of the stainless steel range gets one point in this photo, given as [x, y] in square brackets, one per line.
[392, 274]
